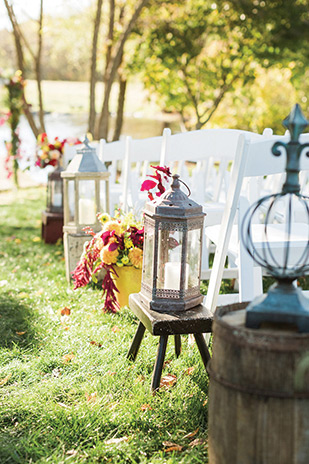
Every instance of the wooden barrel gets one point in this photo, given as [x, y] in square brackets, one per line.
[258, 393]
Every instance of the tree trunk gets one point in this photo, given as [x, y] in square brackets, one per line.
[38, 70]
[112, 71]
[120, 108]
[93, 69]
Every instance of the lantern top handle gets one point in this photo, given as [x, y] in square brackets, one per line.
[176, 183]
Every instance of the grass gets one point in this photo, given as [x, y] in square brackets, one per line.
[67, 391]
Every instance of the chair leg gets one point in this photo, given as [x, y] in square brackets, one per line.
[157, 372]
[177, 345]
[201, 344]
[132, 353]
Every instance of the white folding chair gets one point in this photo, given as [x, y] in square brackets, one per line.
[253, 158]
[212, 151]
[139, 155]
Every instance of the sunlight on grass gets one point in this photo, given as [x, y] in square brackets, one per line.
[67, 391]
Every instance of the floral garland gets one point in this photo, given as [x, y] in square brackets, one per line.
[15, 87]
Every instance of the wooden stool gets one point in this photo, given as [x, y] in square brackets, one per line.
[196, 321]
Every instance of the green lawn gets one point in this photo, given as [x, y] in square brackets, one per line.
[67, 391]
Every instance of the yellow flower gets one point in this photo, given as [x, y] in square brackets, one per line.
[125, 260]
[107, 256]
[128, 244]
[104, 217]
[136, 257]
[112, 225]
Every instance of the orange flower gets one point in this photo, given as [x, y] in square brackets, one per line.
[107, 256]
[136, 257]
[112, 225]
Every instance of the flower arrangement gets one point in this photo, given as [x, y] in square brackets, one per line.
[161, 182]
[50, 153]
[119, 243]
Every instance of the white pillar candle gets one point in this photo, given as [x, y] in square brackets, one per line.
[172, 276]
[86, 211]
[57, 199]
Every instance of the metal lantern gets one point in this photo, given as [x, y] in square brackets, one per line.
[173, 227]
[86, 192]
[284, 303]
[54, 203]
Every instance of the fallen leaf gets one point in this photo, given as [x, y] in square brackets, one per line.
[144, 407]
[68, 357]
[92, 398]
[197, 442]
[191, 434]
[205, 402]
[111, 373]
[115, 441]
[58, 253]
[5, 380]
[190, 370]
[113, 405]
[36, 239]
[93, 342]
[20, 333]
[17, 240]
[115, 329]
[65, 311]
[170, 446]
[168, 380]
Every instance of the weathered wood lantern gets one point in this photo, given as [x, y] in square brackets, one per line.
[86, 192]
[172, 252]
[52, 217]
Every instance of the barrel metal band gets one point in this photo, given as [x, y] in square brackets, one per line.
[255, 391]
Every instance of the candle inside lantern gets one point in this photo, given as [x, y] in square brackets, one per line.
[86, 211]
[57, 199]
[172, 275]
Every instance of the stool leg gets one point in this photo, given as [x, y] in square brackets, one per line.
[132, 353]
[177, 345]
[157, 372]
[200, 341]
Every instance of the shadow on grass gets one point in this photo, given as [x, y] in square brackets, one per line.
[16, 323]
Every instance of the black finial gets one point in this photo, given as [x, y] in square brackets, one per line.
[295, 122]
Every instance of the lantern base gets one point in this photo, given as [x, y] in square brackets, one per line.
[52, 224]
[169, 305]
[283, 304]
[73, 249]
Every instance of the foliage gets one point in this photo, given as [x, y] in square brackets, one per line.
[197, 52]
[14, 101]
[119, 243]
[68, 393]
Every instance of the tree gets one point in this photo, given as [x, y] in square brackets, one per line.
[196, 52]
[21, 43]
[114, 50]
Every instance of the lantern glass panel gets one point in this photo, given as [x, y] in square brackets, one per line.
[193, 257]
[103, 207]
[86, 204]
[71, 193]
[56, 194]
[169, 260]
[148, 255]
